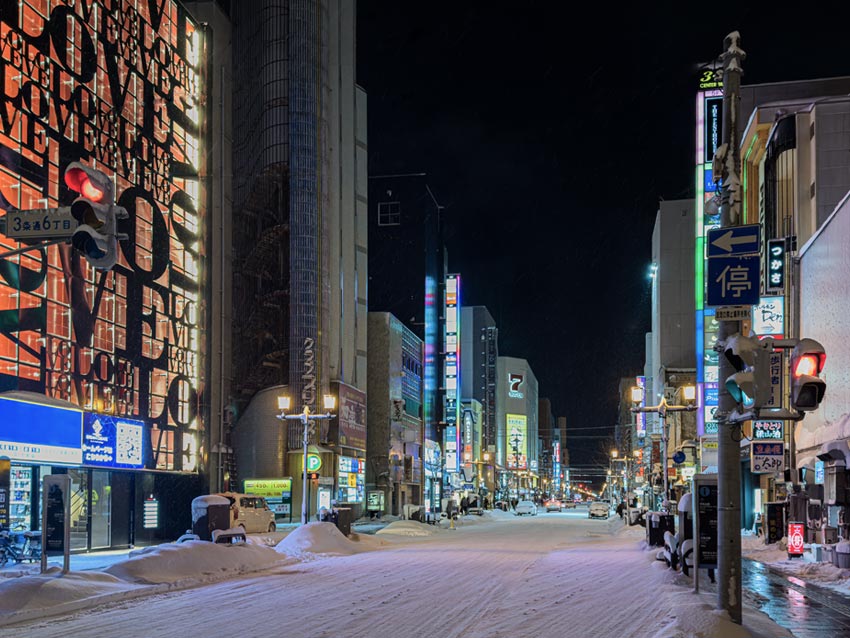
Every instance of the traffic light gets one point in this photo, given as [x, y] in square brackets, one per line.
[807, 388]
[95, 210]
[750, 385]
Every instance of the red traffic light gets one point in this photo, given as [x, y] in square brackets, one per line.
[78, 180]
[92, 185]
[809, 364]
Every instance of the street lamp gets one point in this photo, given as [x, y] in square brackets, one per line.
[689, 393]
[306, 416]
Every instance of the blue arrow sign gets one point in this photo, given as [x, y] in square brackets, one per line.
[733, 280]
[733, 240]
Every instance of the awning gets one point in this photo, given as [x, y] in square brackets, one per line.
[835, 450]
[807, 462]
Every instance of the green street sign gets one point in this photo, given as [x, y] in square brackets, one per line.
[314, 462]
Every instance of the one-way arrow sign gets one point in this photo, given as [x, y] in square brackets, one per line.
[733, 240]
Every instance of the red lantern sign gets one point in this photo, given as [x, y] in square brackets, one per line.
[796, 539]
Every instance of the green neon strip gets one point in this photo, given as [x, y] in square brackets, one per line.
[746, 173]
[699, 269]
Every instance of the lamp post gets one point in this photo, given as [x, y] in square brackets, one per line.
[689, 392]
[306, 416]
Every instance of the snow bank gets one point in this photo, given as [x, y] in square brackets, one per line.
[174, 562]
[318, 538]
[408, 528]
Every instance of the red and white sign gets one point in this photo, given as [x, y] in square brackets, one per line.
[796, 539]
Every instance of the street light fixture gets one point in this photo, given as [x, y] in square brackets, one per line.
[689, 393]
[306, 417]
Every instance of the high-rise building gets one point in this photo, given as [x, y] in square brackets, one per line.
[407, 276]
[479, 352]
[516, 430]
[299, 241]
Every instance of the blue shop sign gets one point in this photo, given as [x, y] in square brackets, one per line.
[113, 441]
[38, 433]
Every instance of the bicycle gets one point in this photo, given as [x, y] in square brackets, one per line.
[9, 550]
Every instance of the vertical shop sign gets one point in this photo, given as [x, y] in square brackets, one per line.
[5, 488]
[56, 518]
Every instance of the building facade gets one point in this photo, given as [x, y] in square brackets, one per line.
[299, 242]
[112, 364]
[517, 427]
[394, 456]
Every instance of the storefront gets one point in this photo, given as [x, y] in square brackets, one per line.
[115, 503]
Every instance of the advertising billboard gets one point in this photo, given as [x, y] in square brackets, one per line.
[516, 426]
[113, 441]
[117, 86]
[352, 417]
[351, 479]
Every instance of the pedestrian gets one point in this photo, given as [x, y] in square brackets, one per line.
[486, 503]
[464, 506]
[621, 508]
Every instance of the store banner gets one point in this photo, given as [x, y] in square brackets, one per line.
[352, 417]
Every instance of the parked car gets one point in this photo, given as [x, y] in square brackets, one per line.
[249, 512]
[598, 509]
[553, 505]
[525, 507]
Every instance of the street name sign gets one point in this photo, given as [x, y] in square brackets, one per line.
[733, 240]
[40, 223]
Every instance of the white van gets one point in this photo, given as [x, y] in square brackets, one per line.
[249, 512]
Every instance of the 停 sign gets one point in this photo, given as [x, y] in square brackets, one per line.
[767, 457]
[733, 280]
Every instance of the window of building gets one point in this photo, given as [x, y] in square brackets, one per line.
[389, 213]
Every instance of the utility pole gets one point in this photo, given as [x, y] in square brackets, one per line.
[728, 444]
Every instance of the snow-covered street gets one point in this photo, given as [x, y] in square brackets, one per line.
[496, 575]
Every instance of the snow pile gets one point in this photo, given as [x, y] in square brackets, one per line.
[199, 560]
[316, 539]
[408, 528]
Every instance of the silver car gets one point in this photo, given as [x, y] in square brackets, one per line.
[598, 509]
[525, 507]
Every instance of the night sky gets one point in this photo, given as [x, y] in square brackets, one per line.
[550, 141]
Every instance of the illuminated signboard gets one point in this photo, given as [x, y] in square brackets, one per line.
[709, 135]
[514, 384]
[516, 426]
[767, 430]
[452, 334]
[150, 513]
[351, 479]
[269, 488]
[640, 417]
[111, 441]
[34, 433]
[450, 448]
[117, 86]
[775, 265]
[769, 317]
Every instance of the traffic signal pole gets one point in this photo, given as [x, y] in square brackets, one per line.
[728, 443]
